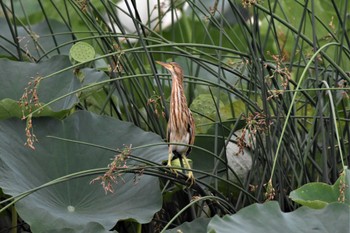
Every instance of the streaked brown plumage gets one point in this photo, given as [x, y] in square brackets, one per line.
[181, 127]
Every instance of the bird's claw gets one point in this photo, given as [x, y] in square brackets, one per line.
[190, 178]
[173, 170]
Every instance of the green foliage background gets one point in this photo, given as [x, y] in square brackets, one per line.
[269, 76]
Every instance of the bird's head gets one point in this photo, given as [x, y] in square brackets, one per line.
[174, 68]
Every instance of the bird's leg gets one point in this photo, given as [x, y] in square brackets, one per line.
[190, 173]
[170, 157]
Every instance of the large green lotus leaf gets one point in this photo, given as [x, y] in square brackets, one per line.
[91, 76]
[318, 195]
[77, 205]
[15, 77]
[268, 218]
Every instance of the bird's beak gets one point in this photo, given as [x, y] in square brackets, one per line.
[164, 64]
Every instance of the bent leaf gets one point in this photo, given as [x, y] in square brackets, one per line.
[16, 76]
[40, 41]
[269, 218]
[317, 195]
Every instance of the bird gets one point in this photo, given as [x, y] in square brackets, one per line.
[181, 125]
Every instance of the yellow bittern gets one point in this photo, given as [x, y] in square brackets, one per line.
[181, 127]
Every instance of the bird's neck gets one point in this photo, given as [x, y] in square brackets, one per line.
[178, 102]
[177, 91]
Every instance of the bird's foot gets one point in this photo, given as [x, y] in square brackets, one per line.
[173, 170]
[190, 178]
